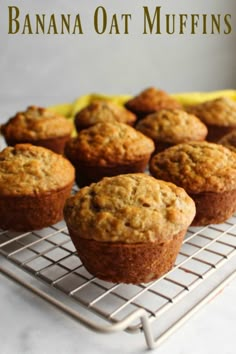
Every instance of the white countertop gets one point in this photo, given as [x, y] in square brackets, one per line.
[31, 326]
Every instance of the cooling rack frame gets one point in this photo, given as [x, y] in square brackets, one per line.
[48, 266]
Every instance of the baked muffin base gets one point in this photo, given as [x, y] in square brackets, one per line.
[216, 132]
[213, 208]
[161, 146]
[25, 213]
[56, 144]
[127, 263]
[87, 174]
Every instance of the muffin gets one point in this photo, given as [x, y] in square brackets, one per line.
[149, 101]
[108, 149]
[38, 126]
[103, 111]
[34, 184]
[171, 127]
[219, 115]
[229, 140]
[207, 172]
[129, 228]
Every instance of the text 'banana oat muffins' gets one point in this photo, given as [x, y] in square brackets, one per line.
[108, 149]
[103, 111]
[129, 228]
[219, 115]
[151, 100]
[34, 184]
[170, 127]
[38, 126]
[207, 172]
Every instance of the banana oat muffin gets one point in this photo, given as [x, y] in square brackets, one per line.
[219, 115]
[34, 184]
[129, 228]
[207, 172]
[229, 140]
[171, 127]
[103, 111]
[151, 100]
[38, 126]
[108, 149]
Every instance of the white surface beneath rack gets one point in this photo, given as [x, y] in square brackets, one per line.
[205, 264]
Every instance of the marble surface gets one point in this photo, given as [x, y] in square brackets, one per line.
[31, 326]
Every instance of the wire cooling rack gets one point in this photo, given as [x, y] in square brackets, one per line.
[204, 265]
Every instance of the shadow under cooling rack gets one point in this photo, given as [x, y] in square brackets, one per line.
[205, 263]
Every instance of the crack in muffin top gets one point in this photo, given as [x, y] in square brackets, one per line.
[197, 167]
[130, 208]
[172, 126]
[30, 170]
[37, 123]
[220, 111]
[109, 143]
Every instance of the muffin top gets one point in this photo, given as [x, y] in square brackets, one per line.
[172, 126]
[109, 143]
[30, 170]
[36, 123]
[152, 100]
[220, 111]
[102, 111]
[129, 208]
[197, 167]
[229, 140]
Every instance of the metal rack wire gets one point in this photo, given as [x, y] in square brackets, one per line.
[205, 264]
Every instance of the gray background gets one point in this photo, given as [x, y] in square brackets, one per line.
[47, 69]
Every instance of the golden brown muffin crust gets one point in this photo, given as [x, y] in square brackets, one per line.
[30, 170]
[197, 167]
[229, 140]
[103, 111]
[36, 123]
[152, 100]
[173, 126]
[109, 143]
[129, 208]
[220, 111]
